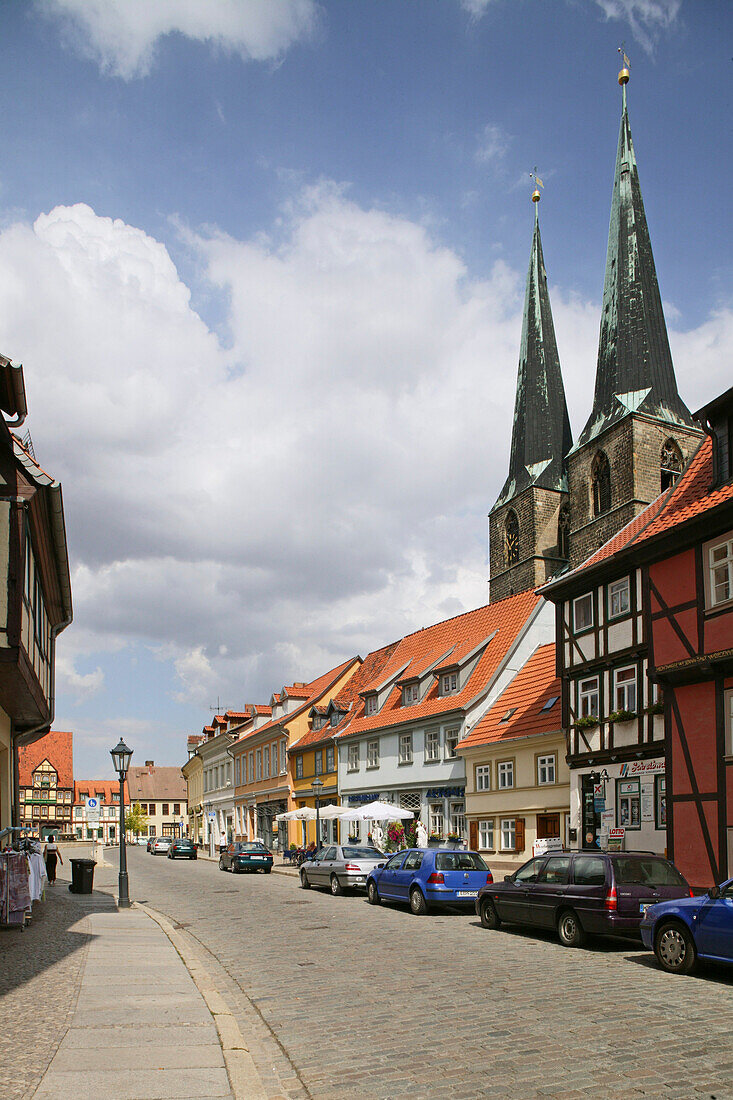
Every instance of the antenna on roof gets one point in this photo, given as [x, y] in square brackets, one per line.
[219, 708]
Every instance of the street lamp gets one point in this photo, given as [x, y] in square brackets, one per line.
[121, 757]
[317, 786]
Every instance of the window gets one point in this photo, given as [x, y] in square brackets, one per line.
[660, 801]
[283, 758]
[435, 817]
[336, 717]
[505, 774]
[583, 613]
[449, 683]
[177, 808]
[625, 689]
[589, 871]
[236, 772]
[251, 768]
[266, 763]
[729, 723]
[353, 760]
[545, 770]
[563, 532]
[629, 804]
[319, 762]
[370, 704]
[619, 598]
[508, 834]
[550, 702]
[318, 722]
[601, 484]
[458, 818]
[164, 811]
[258, 762]
[451, 742]
[483, 777]
[432, 745]
[511, 538]
[556, 871]
[372, 754]
[670, 464]
[410, 694]
[413, 861]
[721, 572]
[329, 759]
[507, 716]
[588, 698]
[486, 834]
[299, 767]
[405, 748]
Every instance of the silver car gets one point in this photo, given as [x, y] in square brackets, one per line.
[341, 868]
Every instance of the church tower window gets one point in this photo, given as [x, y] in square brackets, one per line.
[511, 538]
[601, 484]
[563, 532]
[671, 464]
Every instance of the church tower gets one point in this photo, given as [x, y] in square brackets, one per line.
[640, 433]
[529, 524]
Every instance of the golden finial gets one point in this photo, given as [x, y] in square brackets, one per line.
[536, 196]
[625, 74]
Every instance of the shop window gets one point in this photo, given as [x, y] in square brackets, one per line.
[546, 770]
[588, 698]
[670, 464]
[625, 689]
[436, 819]
[628, 811]
[353, 758]
[483, 777]
[601, 484]
[486, 834]
[505, 774]
[511, 538]
[432, 746]
[405, 748]
[373, 754]
[660, 801]
[583, 613]
[619, 598]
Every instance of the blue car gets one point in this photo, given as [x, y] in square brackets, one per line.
[422, 877]
[681, 932]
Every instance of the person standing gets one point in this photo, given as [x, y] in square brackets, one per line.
[51, 854]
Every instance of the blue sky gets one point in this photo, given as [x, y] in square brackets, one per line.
[264, 265]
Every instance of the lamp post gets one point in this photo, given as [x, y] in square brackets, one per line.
[317, 786]
[121, 757]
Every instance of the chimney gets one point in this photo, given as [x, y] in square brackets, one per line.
[149, 763]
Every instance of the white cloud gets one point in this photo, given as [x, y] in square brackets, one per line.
[644, 17]
[81, 686]
[492, 144]
[476, 8]
[121, 36]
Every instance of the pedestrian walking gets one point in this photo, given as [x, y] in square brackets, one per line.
[51, 854]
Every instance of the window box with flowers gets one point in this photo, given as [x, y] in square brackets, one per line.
[621, 715]
[587, 722]
[435, 839]
[656, 708]
[354, 838]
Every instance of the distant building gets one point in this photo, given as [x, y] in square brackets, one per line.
[107, 793]
[162, 795]
[46, 784]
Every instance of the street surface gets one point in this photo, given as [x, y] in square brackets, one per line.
[344, 1000]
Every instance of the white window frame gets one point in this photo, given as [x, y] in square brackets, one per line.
[436, 817]
[299, 766]
[578, 601]
[371, 705]
[452, 737]
[237, 767]
[406, 755]
[283, 757]
[504, 775]
[547, 770]
[258, 763]
[449, 683]
[486, 834]
[616, 592]
[352, 764]
[458, 818]
[410, 695]
[372, 754]
[330, 759]
[432, 746]
[585, 696]
[483, 777]
[625, 690]
[508, 834]
[721, 572]
[251, 768]
[266, 762]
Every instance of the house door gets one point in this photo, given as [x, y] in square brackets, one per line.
[548, 826]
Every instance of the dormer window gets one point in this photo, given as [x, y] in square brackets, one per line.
[371, 705]
[449, 683]
[410, 694]
[336, 717]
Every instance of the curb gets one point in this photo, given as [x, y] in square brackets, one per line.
[244, 1079]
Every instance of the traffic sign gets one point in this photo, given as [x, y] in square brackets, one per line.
[93, 809]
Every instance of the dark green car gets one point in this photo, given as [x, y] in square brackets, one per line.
[246, 855]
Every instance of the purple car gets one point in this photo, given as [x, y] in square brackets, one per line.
[681, 932]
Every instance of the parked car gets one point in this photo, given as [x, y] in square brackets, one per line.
[683, 931]
[150, 842]
[422, 877]
[246, 855]
[182, 848]
[341, 867]
[161, 844]
[601, 893]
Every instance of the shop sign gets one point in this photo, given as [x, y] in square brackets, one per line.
[445, 792]
[357, 799]
[616, 840]
[641, 767]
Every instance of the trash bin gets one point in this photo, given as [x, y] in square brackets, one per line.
[82, 876]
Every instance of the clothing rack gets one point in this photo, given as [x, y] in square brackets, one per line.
[15, 894]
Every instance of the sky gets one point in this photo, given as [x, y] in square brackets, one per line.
[263, 262]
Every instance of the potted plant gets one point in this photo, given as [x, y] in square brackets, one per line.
[395, 836]
[621, 715]
[587, 722]
[434, 839]
[455, 839]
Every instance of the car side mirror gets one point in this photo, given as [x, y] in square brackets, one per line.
[508, 878]
[714, 892]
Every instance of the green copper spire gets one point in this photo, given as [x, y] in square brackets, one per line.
[635, 370]
[541, 434]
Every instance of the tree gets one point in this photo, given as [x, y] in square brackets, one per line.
[136, 820]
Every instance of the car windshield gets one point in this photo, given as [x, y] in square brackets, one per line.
[459, 861]
[251, 848]
[362, 853]
[647, 872]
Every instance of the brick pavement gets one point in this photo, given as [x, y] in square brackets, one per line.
[344, 1000]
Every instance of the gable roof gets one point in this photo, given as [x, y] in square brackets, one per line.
[56, 746]
[150, 781]
[533, 686]
[498, 624]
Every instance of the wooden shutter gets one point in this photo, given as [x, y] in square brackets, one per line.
[519, 834]
[473, 835]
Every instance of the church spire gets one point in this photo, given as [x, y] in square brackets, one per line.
[541, 433]
[634, 369]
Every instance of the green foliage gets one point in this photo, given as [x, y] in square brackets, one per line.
[621, 715]
[135, 820]
[587, 723]
[656, 708]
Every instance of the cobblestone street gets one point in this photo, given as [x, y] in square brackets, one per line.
[345, 1000]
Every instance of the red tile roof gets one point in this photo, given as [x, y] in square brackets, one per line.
[56, 746]
[84, 788]
[533, 686]
[500, 622]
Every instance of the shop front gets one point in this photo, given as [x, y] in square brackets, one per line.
[441, 809]
[266, 825]
[620, 805]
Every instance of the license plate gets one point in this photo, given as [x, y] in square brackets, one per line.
[466, 893]
[646, 905]
[259, 857]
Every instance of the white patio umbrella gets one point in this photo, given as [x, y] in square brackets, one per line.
[331, 813]
[376, 811]
[305, 813]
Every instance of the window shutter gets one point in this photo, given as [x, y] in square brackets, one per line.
[519, 834]
[473, 835]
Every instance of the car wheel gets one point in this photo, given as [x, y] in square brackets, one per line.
[336, 887]
[674, 949]
[268, 870]
[304, 881]
[221, 864]
[569, 930]
[489, 916]
[372, 893]
[418, 905]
